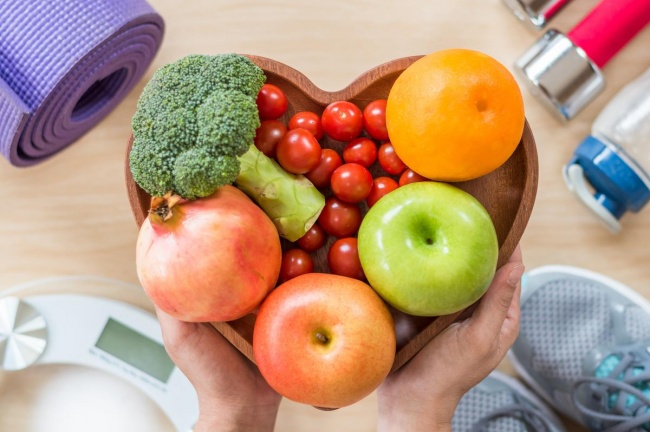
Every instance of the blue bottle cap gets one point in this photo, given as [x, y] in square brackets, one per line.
[619, 184]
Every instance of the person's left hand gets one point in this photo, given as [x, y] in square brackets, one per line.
[423, 394]
[232, 394]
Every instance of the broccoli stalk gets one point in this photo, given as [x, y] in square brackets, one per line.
[291, 201]
[193, 132]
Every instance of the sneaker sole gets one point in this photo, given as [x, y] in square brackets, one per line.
[537, 278]
[529, 395]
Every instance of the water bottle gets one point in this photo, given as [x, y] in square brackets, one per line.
[615, 158]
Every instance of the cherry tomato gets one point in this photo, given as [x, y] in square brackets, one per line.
[295, 262]
[374, 119]
[343, 258]
[380, 187]
[271, 102]
[362, 151]
[268, 135]
[342, 120]
[298, 151]
[410, 176]
[307, 120]
[340, 219]
[313, 239]
[389, 161]
[329, 161]
[351, 182]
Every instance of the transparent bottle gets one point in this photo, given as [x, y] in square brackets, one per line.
[615, 159]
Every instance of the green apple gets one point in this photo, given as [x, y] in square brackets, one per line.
[428, 248]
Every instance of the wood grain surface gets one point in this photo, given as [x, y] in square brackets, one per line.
[70, 215]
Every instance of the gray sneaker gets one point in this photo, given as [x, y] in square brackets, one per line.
[500, 403]
[583, 346]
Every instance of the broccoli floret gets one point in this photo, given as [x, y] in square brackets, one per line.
[178, 127]
[199, 102]
[236, 72]
[228, 121]
[198, 172]
[151, 164]
[188, 81]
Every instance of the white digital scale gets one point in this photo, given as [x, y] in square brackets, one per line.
[97, 332]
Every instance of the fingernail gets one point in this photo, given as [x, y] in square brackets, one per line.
[515, 275]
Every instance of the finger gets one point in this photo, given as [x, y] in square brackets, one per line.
[496, 302]
[510, 328]
[516, 256]
[196, 347]
[175, 334]
[186, 339]
[173, 330]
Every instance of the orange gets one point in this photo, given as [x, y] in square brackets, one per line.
[455, 115]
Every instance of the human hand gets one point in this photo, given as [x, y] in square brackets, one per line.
[424, 393]
[232, 394]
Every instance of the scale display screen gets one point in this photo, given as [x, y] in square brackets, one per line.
[135, 349]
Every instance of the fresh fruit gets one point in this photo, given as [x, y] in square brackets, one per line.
[298, 151]
[389, 160]
[340, 219]
[455, 115]
[328, 163]
[271, 102]
[428, 248]
[324, 340]
[307, 120]
[374, 119]
[268, 135]
[351, 182]
[360, 150]
[343, 258]
[410, 176]
[295, 262]
[313, 239]
[342, 120]
[201, 261]
[380, 187]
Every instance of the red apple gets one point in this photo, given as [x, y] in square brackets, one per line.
[324, 340]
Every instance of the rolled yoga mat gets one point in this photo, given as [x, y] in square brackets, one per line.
[64, 65]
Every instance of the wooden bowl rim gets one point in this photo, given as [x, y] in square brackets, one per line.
[324, 97]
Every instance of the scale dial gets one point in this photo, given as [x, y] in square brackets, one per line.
[23, 334]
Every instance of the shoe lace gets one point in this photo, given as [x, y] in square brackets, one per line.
[630, 409]
[529, 416]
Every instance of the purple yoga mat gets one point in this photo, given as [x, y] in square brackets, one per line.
[64, 65]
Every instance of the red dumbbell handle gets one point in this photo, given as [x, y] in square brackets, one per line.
[555, 8]
[609, 27]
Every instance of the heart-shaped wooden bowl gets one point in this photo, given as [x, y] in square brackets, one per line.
[507, 193]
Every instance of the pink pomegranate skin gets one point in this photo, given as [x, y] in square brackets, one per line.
[212, 259]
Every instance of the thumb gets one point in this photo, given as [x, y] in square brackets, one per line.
[493, 308]
[175, 334]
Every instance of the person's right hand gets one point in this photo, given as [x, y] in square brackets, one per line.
[423, 394]
[233, 395]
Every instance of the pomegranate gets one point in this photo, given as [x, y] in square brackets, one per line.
[211, 259]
